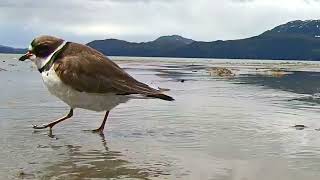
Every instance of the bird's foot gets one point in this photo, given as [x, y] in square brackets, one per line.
[50, 134]
[44, 126]
[98, 131]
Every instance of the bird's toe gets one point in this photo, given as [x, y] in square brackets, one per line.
[39, 127]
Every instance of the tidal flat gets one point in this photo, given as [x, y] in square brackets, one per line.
[222, 126]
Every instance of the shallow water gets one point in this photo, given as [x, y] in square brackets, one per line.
[218, 128]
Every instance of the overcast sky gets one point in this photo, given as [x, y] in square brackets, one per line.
[145, 20]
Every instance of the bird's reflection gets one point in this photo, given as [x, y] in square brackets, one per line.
[82, 163]
[104, 142]
[49, 133]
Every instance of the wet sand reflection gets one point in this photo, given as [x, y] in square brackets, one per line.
[93, 164]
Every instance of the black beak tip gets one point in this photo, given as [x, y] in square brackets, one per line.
[23, 58]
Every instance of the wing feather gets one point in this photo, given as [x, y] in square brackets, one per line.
[87, 70]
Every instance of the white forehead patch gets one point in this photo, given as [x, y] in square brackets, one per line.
[30, 48]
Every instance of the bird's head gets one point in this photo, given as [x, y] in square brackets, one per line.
[41, 47]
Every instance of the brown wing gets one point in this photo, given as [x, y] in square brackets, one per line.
[87, 70]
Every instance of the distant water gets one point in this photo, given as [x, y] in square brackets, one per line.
[218, 128]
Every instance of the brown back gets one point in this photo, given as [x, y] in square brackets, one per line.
[88, 70]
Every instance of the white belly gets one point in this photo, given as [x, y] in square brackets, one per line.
[76, 99]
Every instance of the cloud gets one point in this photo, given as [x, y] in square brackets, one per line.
[143, 20]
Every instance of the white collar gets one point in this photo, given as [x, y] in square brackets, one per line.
[50, 56]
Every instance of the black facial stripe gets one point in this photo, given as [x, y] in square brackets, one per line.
[33, 43]
[42, 50]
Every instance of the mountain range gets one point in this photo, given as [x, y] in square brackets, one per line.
[295, 40]
[11, 50]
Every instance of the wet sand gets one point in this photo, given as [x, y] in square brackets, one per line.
[218, 127]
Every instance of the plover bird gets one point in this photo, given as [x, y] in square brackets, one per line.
[84, 78]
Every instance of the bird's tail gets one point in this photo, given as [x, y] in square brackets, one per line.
[139, 88]
[161, 96]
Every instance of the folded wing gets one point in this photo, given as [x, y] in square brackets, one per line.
[87, 70]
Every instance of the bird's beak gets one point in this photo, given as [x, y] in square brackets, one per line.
[26, 56]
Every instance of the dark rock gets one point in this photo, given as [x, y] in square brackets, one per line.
[300, 126]
[23, 175]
